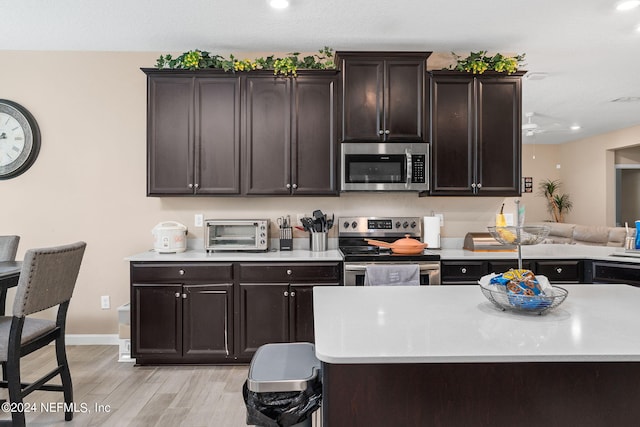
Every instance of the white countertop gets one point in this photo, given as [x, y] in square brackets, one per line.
[553, 251]
[271, 256]
[445, 324]
[543, 251]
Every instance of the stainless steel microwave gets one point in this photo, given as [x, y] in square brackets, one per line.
[393, 166]
[236, 235]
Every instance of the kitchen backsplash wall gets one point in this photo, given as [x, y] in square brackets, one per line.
[89, 180]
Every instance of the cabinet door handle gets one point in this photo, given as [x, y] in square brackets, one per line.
[190, 185]
[196, 186]
[463, 270]
[184, 296]
[226, 328]
[559, 270]
[380, 132]
[293, 294]
[177, 294]
[288, 185]
[181, 272]
[387, 132]
[473, 185]
[289, 272]
[479, 185]
[295, 186]
[286, 293]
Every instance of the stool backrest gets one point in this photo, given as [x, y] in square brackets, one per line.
[47, 278]
[9, 247]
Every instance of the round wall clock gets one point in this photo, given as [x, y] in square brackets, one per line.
[19, 139]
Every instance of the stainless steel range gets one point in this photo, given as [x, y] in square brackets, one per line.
[358, 253]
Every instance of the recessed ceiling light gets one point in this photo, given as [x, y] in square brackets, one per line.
[628, 5]
[279, 4]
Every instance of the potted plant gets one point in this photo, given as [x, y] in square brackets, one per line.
[558, 204]
[479, 62]
[287, 66]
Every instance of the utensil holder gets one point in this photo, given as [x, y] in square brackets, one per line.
[318, 241]
[286, 239]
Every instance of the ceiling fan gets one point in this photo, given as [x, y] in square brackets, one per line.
[530, 128]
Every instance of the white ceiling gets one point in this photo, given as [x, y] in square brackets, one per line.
[589, 50]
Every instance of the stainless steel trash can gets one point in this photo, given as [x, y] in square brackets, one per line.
[285, 368]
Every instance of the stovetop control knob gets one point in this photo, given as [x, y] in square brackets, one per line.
[413, 224]
[346, 224]
[354, 224]
[398, 224]
[405, 224]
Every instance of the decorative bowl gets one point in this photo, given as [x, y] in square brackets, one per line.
[524, 235]
[532, 304]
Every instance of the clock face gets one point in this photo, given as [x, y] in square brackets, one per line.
[19, 139]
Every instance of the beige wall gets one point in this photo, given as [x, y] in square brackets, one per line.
[89, 180]
[588, 174]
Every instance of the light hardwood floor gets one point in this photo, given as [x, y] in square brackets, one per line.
[121, 394]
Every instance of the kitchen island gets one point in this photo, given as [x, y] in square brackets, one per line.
[445, 356]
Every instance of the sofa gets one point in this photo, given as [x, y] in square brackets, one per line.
[594, 235]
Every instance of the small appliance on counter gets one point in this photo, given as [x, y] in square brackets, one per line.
[484, 242]
[169, 237]
[236, 235]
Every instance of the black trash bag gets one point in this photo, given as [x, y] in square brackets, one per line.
[281, 409]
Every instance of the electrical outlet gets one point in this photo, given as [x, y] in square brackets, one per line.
[105, 304]
[441, 216]
[198, 220]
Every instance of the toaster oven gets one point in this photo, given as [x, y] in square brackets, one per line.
[236, 235]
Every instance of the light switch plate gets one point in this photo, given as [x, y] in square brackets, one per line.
[198, 220]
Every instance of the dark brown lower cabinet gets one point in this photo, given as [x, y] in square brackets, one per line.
[208, 321]
[276, 302]
[216, 312]
[182, 323]
[459, 272]
[616, 272]
[157, 320]
[263, 315]
[301, 312]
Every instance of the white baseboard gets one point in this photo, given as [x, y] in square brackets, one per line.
[92, 339]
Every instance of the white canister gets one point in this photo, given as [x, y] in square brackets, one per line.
[431, 231]
[169, 237]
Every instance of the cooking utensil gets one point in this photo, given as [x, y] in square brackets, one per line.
[308, 224]
[405, 246]
[330, 222]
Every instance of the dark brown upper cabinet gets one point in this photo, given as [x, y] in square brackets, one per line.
[384, 96]
[290, 139]
[476, 134]
[216, 133]
[193, 133]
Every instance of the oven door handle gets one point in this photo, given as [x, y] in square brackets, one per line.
[363, 267]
